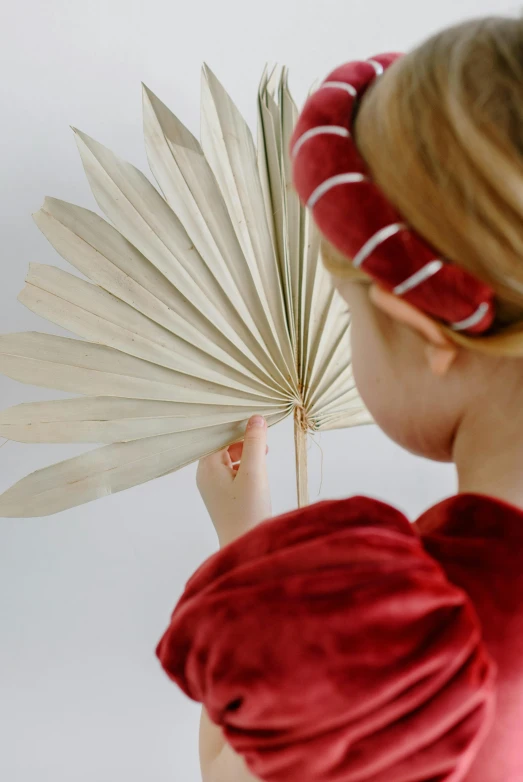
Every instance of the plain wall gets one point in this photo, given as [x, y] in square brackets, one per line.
[85, 595]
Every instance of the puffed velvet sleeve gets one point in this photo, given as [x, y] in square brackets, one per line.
[331, 648]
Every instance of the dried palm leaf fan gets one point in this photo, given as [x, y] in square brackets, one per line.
[204, 305]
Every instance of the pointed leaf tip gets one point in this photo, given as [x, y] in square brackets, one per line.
[207, 71]
[147, 92]
[44, 202]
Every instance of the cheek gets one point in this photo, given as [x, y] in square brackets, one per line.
[413, 420]
[405, 400]
[370, 366]
[380, 392]
[367, 345]
[388, 379]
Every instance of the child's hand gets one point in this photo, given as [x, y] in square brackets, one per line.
[237, 497]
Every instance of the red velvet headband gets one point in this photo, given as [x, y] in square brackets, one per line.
[353, 214]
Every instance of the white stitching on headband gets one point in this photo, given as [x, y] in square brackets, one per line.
[415, 279]
[401, 264]
[376, 239]
[378, 67]
[476, 317]
[335, 130]
[340, 85]
[333, 181]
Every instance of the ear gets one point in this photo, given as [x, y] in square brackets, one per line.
[439, 350]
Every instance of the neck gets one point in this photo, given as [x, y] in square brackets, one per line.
[488, 453]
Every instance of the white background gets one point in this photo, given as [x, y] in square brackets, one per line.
[85, 595]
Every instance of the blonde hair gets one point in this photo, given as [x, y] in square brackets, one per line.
[442, 134]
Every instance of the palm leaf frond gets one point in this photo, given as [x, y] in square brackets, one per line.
[201, 303]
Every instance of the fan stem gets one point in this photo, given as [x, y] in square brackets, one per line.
[300, 447]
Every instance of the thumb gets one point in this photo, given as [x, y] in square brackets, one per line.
[254, 445]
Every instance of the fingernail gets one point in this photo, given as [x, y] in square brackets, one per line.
[257, 420]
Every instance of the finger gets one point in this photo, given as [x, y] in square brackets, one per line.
[209, 462]
[254, 446]
[226, 457]
[216, 462]
[235, 451]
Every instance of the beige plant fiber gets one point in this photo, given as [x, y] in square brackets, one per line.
[200, 304]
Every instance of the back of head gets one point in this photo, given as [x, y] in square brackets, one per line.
[442, 134]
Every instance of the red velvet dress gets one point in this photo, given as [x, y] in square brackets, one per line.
[340, 643]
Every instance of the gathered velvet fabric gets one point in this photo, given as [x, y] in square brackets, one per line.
[340, 643]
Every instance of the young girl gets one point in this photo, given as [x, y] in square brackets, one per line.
[338, 642]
